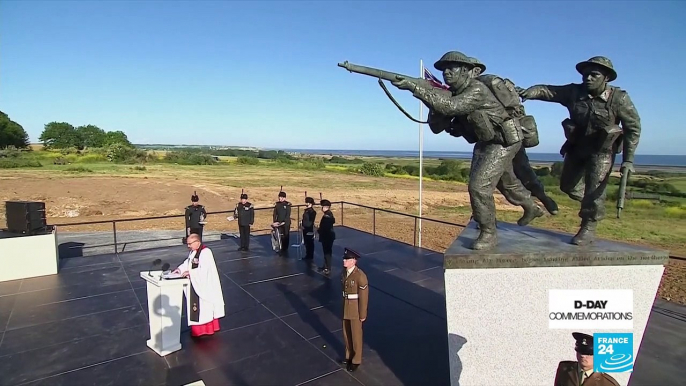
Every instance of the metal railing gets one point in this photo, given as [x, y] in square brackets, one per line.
[296, 207]
[116, 243]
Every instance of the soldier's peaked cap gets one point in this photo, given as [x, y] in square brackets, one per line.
[598, 61]
[309, 200]
[350, 254]
[478, 63]
[452, 57]
[243, 195]
[584, 343]
[194, 197]
[325, 203]
[282, 194]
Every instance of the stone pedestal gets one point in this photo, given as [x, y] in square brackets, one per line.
[499, 301]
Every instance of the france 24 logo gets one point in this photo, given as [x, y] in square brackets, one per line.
[613, 352]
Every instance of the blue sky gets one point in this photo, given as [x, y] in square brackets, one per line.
[264, 73]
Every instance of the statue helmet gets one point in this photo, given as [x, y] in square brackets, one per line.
[477, 63]
[452, 57]
[598, 61]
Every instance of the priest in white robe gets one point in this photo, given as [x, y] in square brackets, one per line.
[204, 297]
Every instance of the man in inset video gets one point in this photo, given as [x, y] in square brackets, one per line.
[580, 372]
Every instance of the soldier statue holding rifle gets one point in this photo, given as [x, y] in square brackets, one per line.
[593, 137]
[471, 110]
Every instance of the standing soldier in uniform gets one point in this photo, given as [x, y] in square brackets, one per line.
[326, 234]
[195, 217]
[245, 214]
[593, 137]
[522, 166]
[355, 301]
[308, 228]
[472, 111]
[580, 372]
[282, 221]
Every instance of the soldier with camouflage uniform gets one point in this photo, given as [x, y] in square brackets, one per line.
[472, 111]
[593, 137]
[522, 167]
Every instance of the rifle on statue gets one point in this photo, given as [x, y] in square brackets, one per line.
[622, 189]
[391, 77]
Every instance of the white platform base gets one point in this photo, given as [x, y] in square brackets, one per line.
[498, 325]
[23, 257]
[152, 344]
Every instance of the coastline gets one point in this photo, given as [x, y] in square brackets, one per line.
[467, 158]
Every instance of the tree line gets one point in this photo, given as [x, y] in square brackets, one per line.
[12, 134]
[62, 135]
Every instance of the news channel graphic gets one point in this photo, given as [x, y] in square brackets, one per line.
[613, 352]
[591, 309]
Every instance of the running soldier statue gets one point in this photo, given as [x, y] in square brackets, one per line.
[520, 163]
[472, 110]
[593, 137]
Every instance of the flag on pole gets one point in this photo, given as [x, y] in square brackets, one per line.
[434, 81]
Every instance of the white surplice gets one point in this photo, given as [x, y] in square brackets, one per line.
[205, 282]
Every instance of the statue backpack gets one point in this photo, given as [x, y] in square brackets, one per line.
[504, 90]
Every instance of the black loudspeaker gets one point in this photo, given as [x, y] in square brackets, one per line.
[26, 217]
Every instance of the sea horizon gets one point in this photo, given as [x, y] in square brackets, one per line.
[639, 159]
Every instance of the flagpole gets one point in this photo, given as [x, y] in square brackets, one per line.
[421, 155]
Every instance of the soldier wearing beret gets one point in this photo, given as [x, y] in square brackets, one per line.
[593, 137]
[195, 216]
[307, 223]
[580, 372]
[245, 214]
[282, 221]
[326, 234]
[355, 301]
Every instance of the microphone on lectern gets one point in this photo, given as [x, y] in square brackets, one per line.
[165, 267]
[154, 264]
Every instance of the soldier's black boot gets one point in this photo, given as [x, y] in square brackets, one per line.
[550, 204]
[531, 212]
[487, 238]
[586, 234]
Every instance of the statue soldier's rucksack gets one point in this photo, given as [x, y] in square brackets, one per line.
[504, 90]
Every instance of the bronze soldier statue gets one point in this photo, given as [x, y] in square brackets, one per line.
[593, 137]
[472, 111]
[355, 301]
[520, 163]
[580, 372]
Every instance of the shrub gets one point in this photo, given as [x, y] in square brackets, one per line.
[11, 163]
[313, 164]
[542, 172]
[120, 153]
[247, 160]
[78, 169]
[372, 169]
[676, 211]
[556, 169]
[189, 158]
